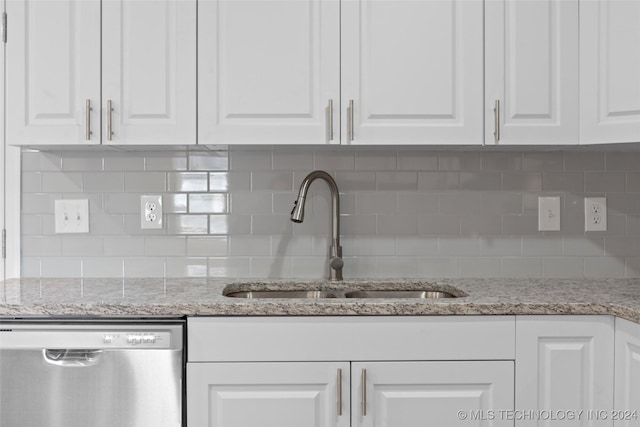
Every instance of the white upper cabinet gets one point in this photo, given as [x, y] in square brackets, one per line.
[275, 72]
[57, 66]
[149, 71]
[393, 72]
[53, 72]
[412, 71]
[269, 71]
[532, 68]
[610, 71]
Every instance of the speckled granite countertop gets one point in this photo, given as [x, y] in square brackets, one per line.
[202, 297]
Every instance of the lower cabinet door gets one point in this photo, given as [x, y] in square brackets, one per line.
[306, 394]
[627, 394]
[419, 394]
[564, 370]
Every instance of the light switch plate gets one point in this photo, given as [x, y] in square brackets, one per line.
[71, 216]
[548, 213]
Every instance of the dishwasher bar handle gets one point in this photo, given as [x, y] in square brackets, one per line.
[72, 357]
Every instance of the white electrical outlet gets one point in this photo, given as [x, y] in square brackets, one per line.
[595, 214]
[71, 216]
[548, 213]
[150, 212]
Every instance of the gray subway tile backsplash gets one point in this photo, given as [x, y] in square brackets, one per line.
[405, 213]
[542, 161]
[208, 203]
[187, 224]
[497, 161]
[61, 182]
[605, 182]
[587, 161]
[375, 161]
[417, 160]
[188, 181]
[621, 161]
[61, 267]
[145, 182]
[562, 267]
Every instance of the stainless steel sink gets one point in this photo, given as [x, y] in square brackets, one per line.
[314, 294]
[342, 293]
[423, 294]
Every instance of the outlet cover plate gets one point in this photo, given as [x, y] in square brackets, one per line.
[150, 212]
[549, 213]
[595, 214]
[71, 216]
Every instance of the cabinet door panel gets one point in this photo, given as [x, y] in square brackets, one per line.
[627, 393]
[267, 70]
[532, 66]
[53, 68]
[149, 71]
[564, 363]
[610, 66]
[417, 394]
[413, 70]
[267, 394]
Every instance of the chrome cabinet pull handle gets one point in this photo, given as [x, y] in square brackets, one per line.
[109, 120]
[330, 119]
[88, 120]
[350, 120]
[339, 392]
[496, 114]
[364, 392]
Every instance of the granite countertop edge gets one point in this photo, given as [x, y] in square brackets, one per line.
[101, 298]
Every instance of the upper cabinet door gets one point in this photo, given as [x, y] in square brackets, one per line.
[149, 72]
[531, 68]
[53, 72]
[610, 71]
[268, 71]
[412, 71]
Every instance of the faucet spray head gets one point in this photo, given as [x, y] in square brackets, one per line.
[297, 214]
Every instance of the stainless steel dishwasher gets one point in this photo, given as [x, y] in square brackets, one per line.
[91, 374]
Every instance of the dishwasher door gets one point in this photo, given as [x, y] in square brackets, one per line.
[91, 375]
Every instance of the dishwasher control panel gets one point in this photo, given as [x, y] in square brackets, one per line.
[136, 339]
[87, 336]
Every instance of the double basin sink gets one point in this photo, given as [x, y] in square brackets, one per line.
[395, 291]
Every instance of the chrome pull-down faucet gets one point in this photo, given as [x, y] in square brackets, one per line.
[297, 215]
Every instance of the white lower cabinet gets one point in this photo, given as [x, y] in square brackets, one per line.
[417, 394]
[267, 394]
[406, 371]
[564, 370]
[350, 371]
[294, 394]
[627, 374]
